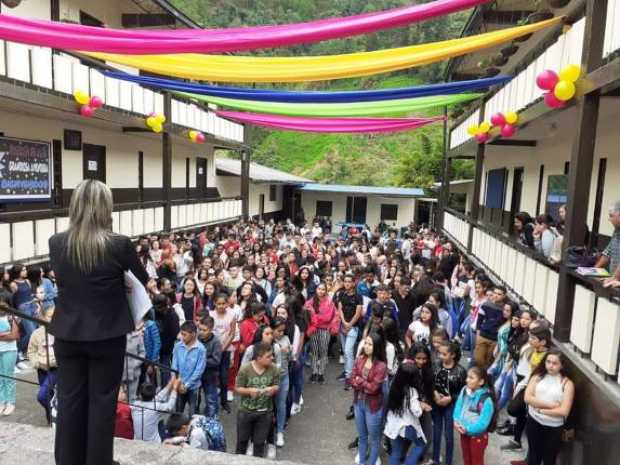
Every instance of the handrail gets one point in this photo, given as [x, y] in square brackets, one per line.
[55, 212]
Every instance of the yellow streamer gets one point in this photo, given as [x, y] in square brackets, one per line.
[226, 68]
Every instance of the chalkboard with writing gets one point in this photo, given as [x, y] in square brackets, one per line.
[25, 170]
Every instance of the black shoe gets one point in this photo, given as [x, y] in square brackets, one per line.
[342, 376]
[506, 430]
[313, 378]
[387, 447]
[321, 379]
[226, 407]
[353, 444]
[350, 415]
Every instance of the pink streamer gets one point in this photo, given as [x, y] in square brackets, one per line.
[131, 42]
[330, 125]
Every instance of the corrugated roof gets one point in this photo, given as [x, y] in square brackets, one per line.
[366, 190]
[259, 173]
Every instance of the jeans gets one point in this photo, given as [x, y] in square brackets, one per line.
[254, 426]
[400, 444]
[191, 398]
[7, 386]
[503, 388]
[369, 429]
[297, 380]
[224, 367]
[27, 327]
[347, 341]
[47, 381]
[212, 398]
[280, 399]
[443, 422]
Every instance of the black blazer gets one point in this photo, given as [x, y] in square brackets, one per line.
[93, 306]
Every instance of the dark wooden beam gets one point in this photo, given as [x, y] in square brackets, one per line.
[581, 165]
[462, 157]
[444, 194]
[245, 184]
[505, 17]
[166, 149]
[514, 143]
[475, 206]
[147, 19]
[136, 129]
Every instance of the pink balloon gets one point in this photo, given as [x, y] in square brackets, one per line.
[95, 102]
[547, 79]
[508, 130]
[86, 111]
[153, 114]
[200, 138]
[498, 119]
[482, 137]
[552, 101]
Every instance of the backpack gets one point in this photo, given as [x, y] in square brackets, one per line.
[479, 407]
[214, 431]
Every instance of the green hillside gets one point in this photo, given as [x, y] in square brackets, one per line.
[405, 159]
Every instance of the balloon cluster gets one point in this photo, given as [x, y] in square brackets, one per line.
[560, 88]
[88, 104]
[505, 122]
[156, 121]
[197, 136]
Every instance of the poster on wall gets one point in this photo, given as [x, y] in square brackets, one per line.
[25, 170]
[557, 194]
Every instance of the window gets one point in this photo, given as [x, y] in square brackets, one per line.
[389, 211]
[273, 192]
[496, 185]
[323, 208]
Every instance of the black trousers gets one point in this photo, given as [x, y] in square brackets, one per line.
[544, 443]
[254, 426]
[89, 377]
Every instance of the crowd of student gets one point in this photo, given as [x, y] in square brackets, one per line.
[428, 343]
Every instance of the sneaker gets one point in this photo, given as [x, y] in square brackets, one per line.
[511, 445]
[2, 407]
[295, 409]
[342, 376]
[8, 410]
[347, 385]
[313, 378]
[350, 414]
[250, 449]
[341, 360]
[271, 451]
[16, 370]
[507, 430]
[23, 365]
[320, 379]
[301, 400]
[353, 444]
[230, 396]
[226, 407]
[280, 440]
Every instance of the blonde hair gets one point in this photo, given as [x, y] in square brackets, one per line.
[90, 221]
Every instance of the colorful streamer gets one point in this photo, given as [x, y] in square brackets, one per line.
[94, 39]
[266, 95]
[382, 108]
[228, 68]
[330, 125]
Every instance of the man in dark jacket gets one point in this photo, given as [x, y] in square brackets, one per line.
[168, 324]
[490, 318]
[210, 377]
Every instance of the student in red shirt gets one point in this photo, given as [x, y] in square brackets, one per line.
[252, 319]
[123, 427]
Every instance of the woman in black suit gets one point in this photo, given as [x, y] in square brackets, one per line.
[90, 325]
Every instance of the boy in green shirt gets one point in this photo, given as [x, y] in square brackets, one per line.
[257, 384]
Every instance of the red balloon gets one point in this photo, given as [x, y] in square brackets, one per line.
[200, 138]
[498, 119]
[86, 111]
[552, 101]
[547, 79]
[482, 137]
[95, 102]
[508, 130]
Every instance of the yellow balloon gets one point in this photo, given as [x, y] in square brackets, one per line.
[193, 134]
[472, 130]
[511, 117]
[157, 128]
[151, 121]
[564, 90]
[571, 73]
[485, 127]
[81, 97]
[161, 118]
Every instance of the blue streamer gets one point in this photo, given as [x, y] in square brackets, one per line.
[266, 95]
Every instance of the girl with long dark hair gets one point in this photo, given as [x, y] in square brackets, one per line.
[190, 300]
[404, 409]
[367, 380]
[324, 316]
[421, 330]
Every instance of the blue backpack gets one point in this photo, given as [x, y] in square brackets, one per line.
[213, 429]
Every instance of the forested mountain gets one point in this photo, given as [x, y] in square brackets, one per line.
[406, 159]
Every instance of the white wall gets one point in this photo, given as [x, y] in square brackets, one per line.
[553, 152]
[34, 9]
[109, 12]
[256, 190]
[406, 207]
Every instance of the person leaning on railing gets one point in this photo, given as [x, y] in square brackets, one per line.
[90, 325]
[610, 258]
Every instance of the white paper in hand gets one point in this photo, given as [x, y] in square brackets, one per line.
[138, 298]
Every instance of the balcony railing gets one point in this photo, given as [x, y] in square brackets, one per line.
[595, 326]
[28, 240]
[65, 73]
